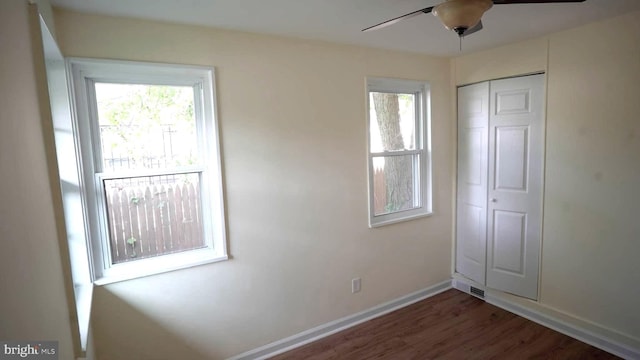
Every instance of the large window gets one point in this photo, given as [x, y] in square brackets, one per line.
[399, 150]
[151, 166]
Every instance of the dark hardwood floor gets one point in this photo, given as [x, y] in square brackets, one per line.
[450, 325]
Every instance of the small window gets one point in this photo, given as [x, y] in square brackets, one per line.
[150, 160]
[398, 148]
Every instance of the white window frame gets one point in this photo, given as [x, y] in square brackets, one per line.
[84, 73]
[422, 189]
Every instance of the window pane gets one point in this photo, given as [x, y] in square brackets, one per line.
[395, 180]
[146, 126]
[153, 215]
[392, 121]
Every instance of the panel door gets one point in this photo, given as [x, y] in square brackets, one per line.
[473, 150]
[516, 143]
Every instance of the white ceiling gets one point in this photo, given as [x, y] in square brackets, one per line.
[341, 20]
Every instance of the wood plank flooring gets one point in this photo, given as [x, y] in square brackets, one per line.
[450, 325]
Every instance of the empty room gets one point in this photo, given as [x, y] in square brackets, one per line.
[358, 179]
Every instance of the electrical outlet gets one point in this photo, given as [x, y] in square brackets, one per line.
[355, 285]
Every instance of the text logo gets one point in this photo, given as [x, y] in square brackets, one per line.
[33, 350]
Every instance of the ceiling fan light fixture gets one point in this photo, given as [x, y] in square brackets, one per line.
[461, 15]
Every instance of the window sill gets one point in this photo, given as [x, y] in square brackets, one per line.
[395, 220]
[140, 270]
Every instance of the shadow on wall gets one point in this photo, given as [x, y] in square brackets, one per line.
[151, 340]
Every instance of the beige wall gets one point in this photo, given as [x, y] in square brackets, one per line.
[33, 300]
[591, 237]
[510, 60]
[592, 233]
[292, 115]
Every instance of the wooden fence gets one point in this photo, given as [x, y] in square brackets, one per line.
[379, 191]
[153, 220]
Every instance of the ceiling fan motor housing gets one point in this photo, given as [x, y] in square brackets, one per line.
[461, 15]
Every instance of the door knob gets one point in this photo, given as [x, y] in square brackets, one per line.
[494, 200]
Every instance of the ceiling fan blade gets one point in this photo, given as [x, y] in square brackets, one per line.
[399, 18]
[498, 2]
[474, 29]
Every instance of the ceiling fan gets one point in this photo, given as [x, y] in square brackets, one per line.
[463, 16]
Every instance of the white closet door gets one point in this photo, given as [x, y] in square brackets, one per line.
[516, 142]
[473, 135]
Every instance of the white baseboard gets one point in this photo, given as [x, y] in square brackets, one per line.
[587, 332]
[319, 332]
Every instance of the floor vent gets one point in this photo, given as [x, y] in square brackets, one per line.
[477, 292]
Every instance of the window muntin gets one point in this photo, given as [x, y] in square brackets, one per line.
[151, 164]
[398, 148]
